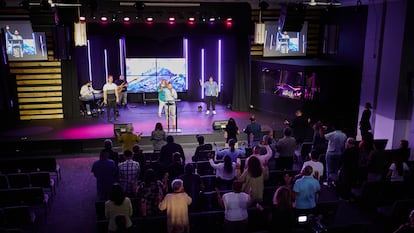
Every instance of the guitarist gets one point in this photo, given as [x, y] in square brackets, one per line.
[122, 91]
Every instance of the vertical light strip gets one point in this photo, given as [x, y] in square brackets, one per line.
[106, 64]
[89, 61]
[202, 73]
[121, 57]
[185, 53]
[219, 65]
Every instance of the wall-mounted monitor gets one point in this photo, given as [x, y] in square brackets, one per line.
[145, 74]
[280, 43]
[22, 44]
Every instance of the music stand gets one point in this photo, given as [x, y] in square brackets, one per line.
[176, 129]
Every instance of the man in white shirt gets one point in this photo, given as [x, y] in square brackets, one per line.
[317, 166]
[170, 98]
[110, 95]
[86, 96]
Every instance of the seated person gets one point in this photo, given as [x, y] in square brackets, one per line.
[232, 151]
[86, 96]
[200, 154]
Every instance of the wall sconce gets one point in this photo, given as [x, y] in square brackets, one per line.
[80, 34]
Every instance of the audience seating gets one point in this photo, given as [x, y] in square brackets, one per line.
[43, 180]
[18, 180]
[370, 195]
[276, 177]
[4, 182]
[31, 196]
[397, 213]
[209, 182]
[204, 168]
[31, 165]
[18, 216]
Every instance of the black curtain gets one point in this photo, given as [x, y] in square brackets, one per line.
[242, 85]
[70, 90]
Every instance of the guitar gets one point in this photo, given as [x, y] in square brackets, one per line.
[124, 84]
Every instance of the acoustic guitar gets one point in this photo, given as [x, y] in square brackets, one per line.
[124, 84]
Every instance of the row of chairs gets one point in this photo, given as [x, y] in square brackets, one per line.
[17, 218]
[31, 165]
[31, 196]
[32, 179]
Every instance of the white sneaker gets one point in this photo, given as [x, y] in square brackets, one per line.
[208, 112]
[214, 112]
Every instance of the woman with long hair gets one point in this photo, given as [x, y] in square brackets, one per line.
[158, 137]
[151, 191]
[282, 214]
[231, 130]
[252, 179]
[225, 172]
[118, 204]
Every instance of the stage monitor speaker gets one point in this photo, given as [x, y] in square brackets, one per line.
[292, 17]
[219, 124]
[121, 128]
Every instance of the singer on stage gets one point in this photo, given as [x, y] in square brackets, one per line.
[110, 97]
[170, 98]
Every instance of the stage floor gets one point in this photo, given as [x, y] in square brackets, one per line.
[142, 116]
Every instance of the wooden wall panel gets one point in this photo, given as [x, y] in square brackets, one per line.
[39, 89]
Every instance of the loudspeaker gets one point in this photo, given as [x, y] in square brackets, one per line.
[292, 17]
[219, 124]
[121, 128]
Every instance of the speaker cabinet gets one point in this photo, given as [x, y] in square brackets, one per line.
[219, 124]
[292, 17]
[121, 128]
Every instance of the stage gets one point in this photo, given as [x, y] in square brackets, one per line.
[86, 134]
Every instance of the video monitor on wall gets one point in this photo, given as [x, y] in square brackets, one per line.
[22, 44]
[280, 43]
[145, 74]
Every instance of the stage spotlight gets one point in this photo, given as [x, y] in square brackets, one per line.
[229, 22]
[127, 19]
[82, 18]
[212, 19]
[114, 18]
[104, 18]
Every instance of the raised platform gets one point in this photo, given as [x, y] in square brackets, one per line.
[86, 134]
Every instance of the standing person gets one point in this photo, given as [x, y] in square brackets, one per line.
[336, 146]
[167, 151]
[235, 204]
[128, 139]
[286, 147]
[112, 154]
[151, 191]
[158, 137]
[122, 91]
[129, 172]
[364, 123]
[317, 166]
[161, 96]
[300, 126]
[86, 96]
[211, 91]
[349, 170]
[225, 172]
[232, 151]
[252, 179]
[253, 131]
[117, 205]
[170, 97]
[305, 189]
[110, 96]
[193, 185]
[200, 152]
[176, 204]
[282, 215]
[105, 172]
[231, 130]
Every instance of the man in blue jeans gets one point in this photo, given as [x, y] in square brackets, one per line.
[211, 91]
[336, 147]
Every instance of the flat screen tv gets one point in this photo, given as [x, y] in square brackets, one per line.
[145, 74]
[280, 43]
[22, 44]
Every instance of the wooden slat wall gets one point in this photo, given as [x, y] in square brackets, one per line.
[39, 89]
